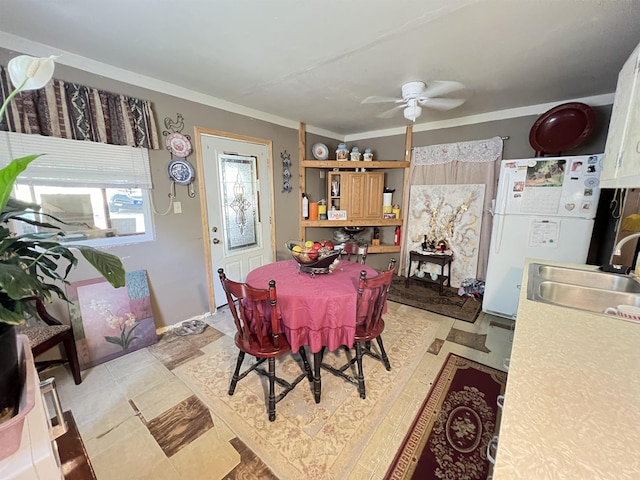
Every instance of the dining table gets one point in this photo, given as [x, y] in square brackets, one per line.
[317, 311]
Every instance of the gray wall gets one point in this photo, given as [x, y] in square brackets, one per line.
[175, 261]
[517, 146]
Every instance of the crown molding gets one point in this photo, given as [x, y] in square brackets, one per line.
[69, 59]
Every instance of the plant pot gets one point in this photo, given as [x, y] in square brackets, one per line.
[10, 385]
[28, 383]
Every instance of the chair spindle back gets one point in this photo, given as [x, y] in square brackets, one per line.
[372, 295]
[254, 310]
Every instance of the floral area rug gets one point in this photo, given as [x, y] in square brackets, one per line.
[427, 297]
[309, 440]
[449, 437]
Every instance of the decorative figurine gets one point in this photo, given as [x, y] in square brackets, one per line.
[442, 246]
[428, 245]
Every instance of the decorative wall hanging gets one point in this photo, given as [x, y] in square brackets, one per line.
[286, 173]
[179, 169]
[450, 214]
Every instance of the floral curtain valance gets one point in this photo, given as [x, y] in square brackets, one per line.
[72, 111]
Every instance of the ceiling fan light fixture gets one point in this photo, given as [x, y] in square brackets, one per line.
[412, 112]
[413, 90]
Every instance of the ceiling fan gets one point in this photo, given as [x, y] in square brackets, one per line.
[416, 95]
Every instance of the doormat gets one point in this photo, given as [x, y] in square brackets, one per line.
[427, 297]
[309, 440]
[449, 436]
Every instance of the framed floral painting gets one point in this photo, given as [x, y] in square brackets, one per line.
[110, 322]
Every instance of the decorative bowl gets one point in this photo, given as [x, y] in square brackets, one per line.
[307, 257]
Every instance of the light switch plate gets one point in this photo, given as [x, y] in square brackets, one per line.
[177, 207]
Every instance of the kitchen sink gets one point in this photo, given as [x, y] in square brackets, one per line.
[593, 291]
[587, 278]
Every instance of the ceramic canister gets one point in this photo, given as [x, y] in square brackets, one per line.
[342, 153]
[368, 156]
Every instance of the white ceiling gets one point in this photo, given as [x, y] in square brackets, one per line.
[314, 61]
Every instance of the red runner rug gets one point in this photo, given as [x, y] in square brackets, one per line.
[449, 436]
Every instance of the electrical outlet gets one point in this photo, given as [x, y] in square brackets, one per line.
[323, 174]
[177, 207]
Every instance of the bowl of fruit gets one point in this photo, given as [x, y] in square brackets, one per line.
[313, 257]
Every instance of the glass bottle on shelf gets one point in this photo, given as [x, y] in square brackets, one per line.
[305, 207]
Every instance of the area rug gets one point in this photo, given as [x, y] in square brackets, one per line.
[427, 297]
[309, 440]
[449, 436]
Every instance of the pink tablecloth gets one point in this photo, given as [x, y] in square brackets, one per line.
[316, 311]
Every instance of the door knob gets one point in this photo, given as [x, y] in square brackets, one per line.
[216, 241]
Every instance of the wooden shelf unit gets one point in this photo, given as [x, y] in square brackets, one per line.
[347, 165]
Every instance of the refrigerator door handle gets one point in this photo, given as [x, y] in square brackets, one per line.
[499, 230]
[504, 193]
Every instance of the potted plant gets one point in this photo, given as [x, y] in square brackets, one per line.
[31, 264]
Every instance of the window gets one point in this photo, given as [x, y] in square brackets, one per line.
[101, 191]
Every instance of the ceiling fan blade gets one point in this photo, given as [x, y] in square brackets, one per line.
[438, 88]
[391, 112]
[376, 99]
[441, 104]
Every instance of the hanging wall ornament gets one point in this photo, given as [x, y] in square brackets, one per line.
[179, 169]
[286, 173]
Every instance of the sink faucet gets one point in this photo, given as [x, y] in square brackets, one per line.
[617, 251]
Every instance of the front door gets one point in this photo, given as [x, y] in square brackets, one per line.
[236, 199]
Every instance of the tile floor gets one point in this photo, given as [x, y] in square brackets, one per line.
[140, 421]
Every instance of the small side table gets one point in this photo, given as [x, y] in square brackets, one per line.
[444, 260]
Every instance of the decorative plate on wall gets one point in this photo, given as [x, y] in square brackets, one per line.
[561, 129]
[181, 171]
[178, 144]
[320, 151]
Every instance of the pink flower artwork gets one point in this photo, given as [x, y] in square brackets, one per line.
[109, 322]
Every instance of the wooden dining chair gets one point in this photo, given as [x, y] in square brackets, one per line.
[47, 334]
[355, 250]
[259, 333]
[372, 297]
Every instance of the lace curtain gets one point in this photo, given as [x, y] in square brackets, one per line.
[72, 111]
[476, 162]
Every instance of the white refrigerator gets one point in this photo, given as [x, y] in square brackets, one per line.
[544, 209]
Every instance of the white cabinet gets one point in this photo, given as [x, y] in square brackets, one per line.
[621, 168]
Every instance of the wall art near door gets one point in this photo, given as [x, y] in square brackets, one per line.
[110, 322]
[452, 213]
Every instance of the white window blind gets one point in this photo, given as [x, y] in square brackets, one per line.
[77, 163]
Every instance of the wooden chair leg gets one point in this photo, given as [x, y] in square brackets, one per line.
[360, 375]
[272, 389]
[317, 381]
[69, 344]
[236, 374]
[383, 354]
[305, 361]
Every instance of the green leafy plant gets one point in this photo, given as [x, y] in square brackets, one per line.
[36, 264]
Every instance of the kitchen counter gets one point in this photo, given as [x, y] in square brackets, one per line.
[572, 401]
